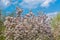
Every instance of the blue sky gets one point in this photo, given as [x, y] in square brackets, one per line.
[47, 6]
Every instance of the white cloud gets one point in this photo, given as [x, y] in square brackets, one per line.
[35, 3]
[5, 2]
[46, 3]
[52, 14]
[29, 3]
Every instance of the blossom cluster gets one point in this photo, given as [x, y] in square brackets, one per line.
[29, 27]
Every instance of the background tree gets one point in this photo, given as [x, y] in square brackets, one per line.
[56, 26]
[2, 27]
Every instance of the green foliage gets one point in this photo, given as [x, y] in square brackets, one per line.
[2, 28]
[56, 21]
[56, 26]
[2, 37]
